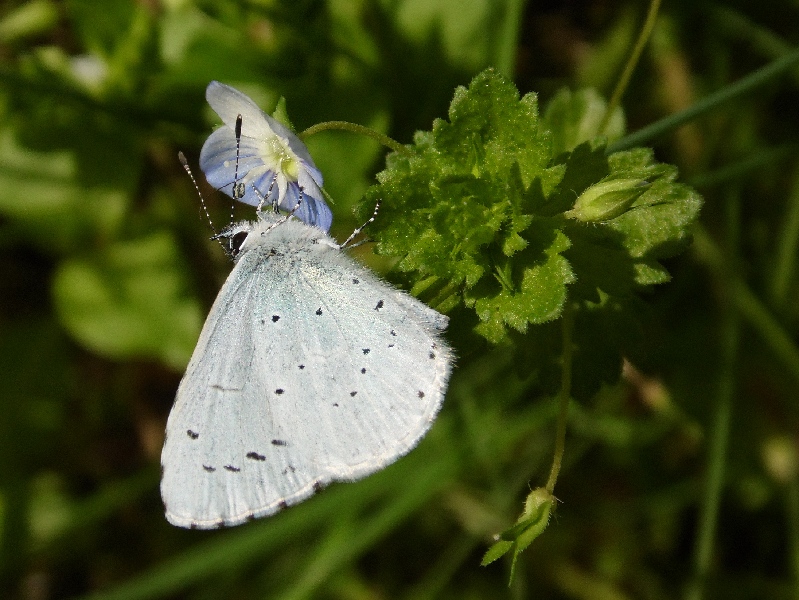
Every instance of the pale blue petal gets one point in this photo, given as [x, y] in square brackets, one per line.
[229, 103]
[312, 210]
[218, 160]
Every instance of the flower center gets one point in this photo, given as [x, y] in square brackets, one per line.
[278, 157]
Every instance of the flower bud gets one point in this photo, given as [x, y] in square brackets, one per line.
[607, 199]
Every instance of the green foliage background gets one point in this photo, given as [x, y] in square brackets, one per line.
[680, 478]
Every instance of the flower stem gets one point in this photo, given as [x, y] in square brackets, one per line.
[354, 128]
[708, 103]
[567, 328]
[632, 62]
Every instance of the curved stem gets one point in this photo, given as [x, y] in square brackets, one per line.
[632, 62]
[567, 328]
[354, 128]
[729, 92]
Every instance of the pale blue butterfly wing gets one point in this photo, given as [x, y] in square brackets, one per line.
[309, 369]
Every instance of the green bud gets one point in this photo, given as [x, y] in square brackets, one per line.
[607, 200]
[538, 508]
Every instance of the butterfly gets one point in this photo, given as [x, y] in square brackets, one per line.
[309, 369]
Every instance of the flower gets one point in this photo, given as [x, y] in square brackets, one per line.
[273, 164]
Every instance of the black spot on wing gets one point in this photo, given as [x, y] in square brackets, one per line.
[355, 281]
[420, 393]
[353, 394]
[192, 434]
[394, 333]
[379, 305]
[282, 505]
[319, 311]
[255, 456]
[432, 355]
[275, 318]
[363, 370]
[280, 443]
[220, 524]
[250, 517]
[302, 366]
[232, 469]
[279, 391]
[208, 469]
[366, 351]
[317, 486]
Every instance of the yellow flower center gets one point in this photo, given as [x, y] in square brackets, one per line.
[277, 156]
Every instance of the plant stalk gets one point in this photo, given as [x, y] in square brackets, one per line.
[567, 329]
[730, 92]
[632, 62]
[354, 128]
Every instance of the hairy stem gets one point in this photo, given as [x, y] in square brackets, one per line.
[354, 128]
[567, 328]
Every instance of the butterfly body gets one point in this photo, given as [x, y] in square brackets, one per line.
[309, 369]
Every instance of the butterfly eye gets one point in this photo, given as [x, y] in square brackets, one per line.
[237, 241]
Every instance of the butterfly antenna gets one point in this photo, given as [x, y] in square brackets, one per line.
[238, 186]
[361, 228]
[185, 163]
[262, 198]
[285, 218]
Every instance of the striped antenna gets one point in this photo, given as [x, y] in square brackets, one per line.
[185, 163]
[361, 228]
[238, 186]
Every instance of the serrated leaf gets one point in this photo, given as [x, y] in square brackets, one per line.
[534, 293]
[575, 117]
[482, 211]
[454, 204]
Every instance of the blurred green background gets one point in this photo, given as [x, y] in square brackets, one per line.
[679, 481]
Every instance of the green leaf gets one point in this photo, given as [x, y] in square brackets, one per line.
[281, 114]
[498, 550]
[454, 207]
[130, 301]
[530, 289]
[575, 117]
[487, 211]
